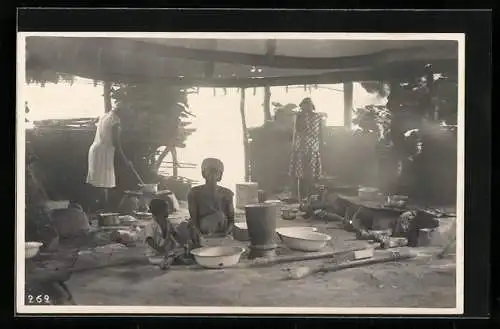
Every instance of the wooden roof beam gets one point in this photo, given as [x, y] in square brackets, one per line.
[448, 50]
[381, 73]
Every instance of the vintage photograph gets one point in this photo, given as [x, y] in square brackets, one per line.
[280, 173]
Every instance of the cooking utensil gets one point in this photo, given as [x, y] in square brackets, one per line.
[344, 189]
[393, 243]
[304, 240]
[399, 197]
[217, 257]
[284, 230]
[143, 215]
[278, 202]
[109, 219]
[397, 200]
[289, 214]
[368, 193]
[128, 220]
[149, 188]
[31, 249]
[261, 223]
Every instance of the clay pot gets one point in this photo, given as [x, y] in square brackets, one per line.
[129, 204]
[70, 222]
[261, 224]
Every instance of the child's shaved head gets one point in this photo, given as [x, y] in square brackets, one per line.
[158, 207]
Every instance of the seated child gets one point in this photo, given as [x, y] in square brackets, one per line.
[210, 205]
[174, 243]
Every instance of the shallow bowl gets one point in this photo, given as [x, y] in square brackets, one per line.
[217, 257]
[31, 249]
[291, 229]
[305, 240]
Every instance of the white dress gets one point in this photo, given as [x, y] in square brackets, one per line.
[101, 166]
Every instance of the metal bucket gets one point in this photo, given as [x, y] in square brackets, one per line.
[261, 224]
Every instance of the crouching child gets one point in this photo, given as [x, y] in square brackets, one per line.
[174, 243]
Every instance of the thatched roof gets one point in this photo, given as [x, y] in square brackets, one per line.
[230, 63]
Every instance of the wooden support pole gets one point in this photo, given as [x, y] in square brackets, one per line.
[270, 53]
[245, 134]
[107, 96]
[267, 103]
[430, 86]
[175, 162]
[348, 94]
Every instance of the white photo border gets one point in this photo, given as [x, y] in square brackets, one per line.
[21, 308]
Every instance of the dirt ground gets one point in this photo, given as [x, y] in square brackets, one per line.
[422, 282]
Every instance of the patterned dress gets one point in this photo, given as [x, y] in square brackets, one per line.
[305, 159]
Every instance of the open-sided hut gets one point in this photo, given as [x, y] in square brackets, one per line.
[245, 63]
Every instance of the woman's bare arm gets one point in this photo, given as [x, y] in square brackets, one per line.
[229, 213]
[150, 242]
[193, 209]
[299, 123]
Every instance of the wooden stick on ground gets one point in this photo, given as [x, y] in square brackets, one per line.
[302, 272]
[296, 258]
[263, 262]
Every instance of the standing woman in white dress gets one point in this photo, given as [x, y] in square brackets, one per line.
[101, 166]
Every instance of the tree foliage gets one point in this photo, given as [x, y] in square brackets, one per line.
[158, 118]
[376, 87]
[159, 113]
[411, 100]
[409, 128]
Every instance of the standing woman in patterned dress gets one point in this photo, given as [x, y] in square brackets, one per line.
[305, 167]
